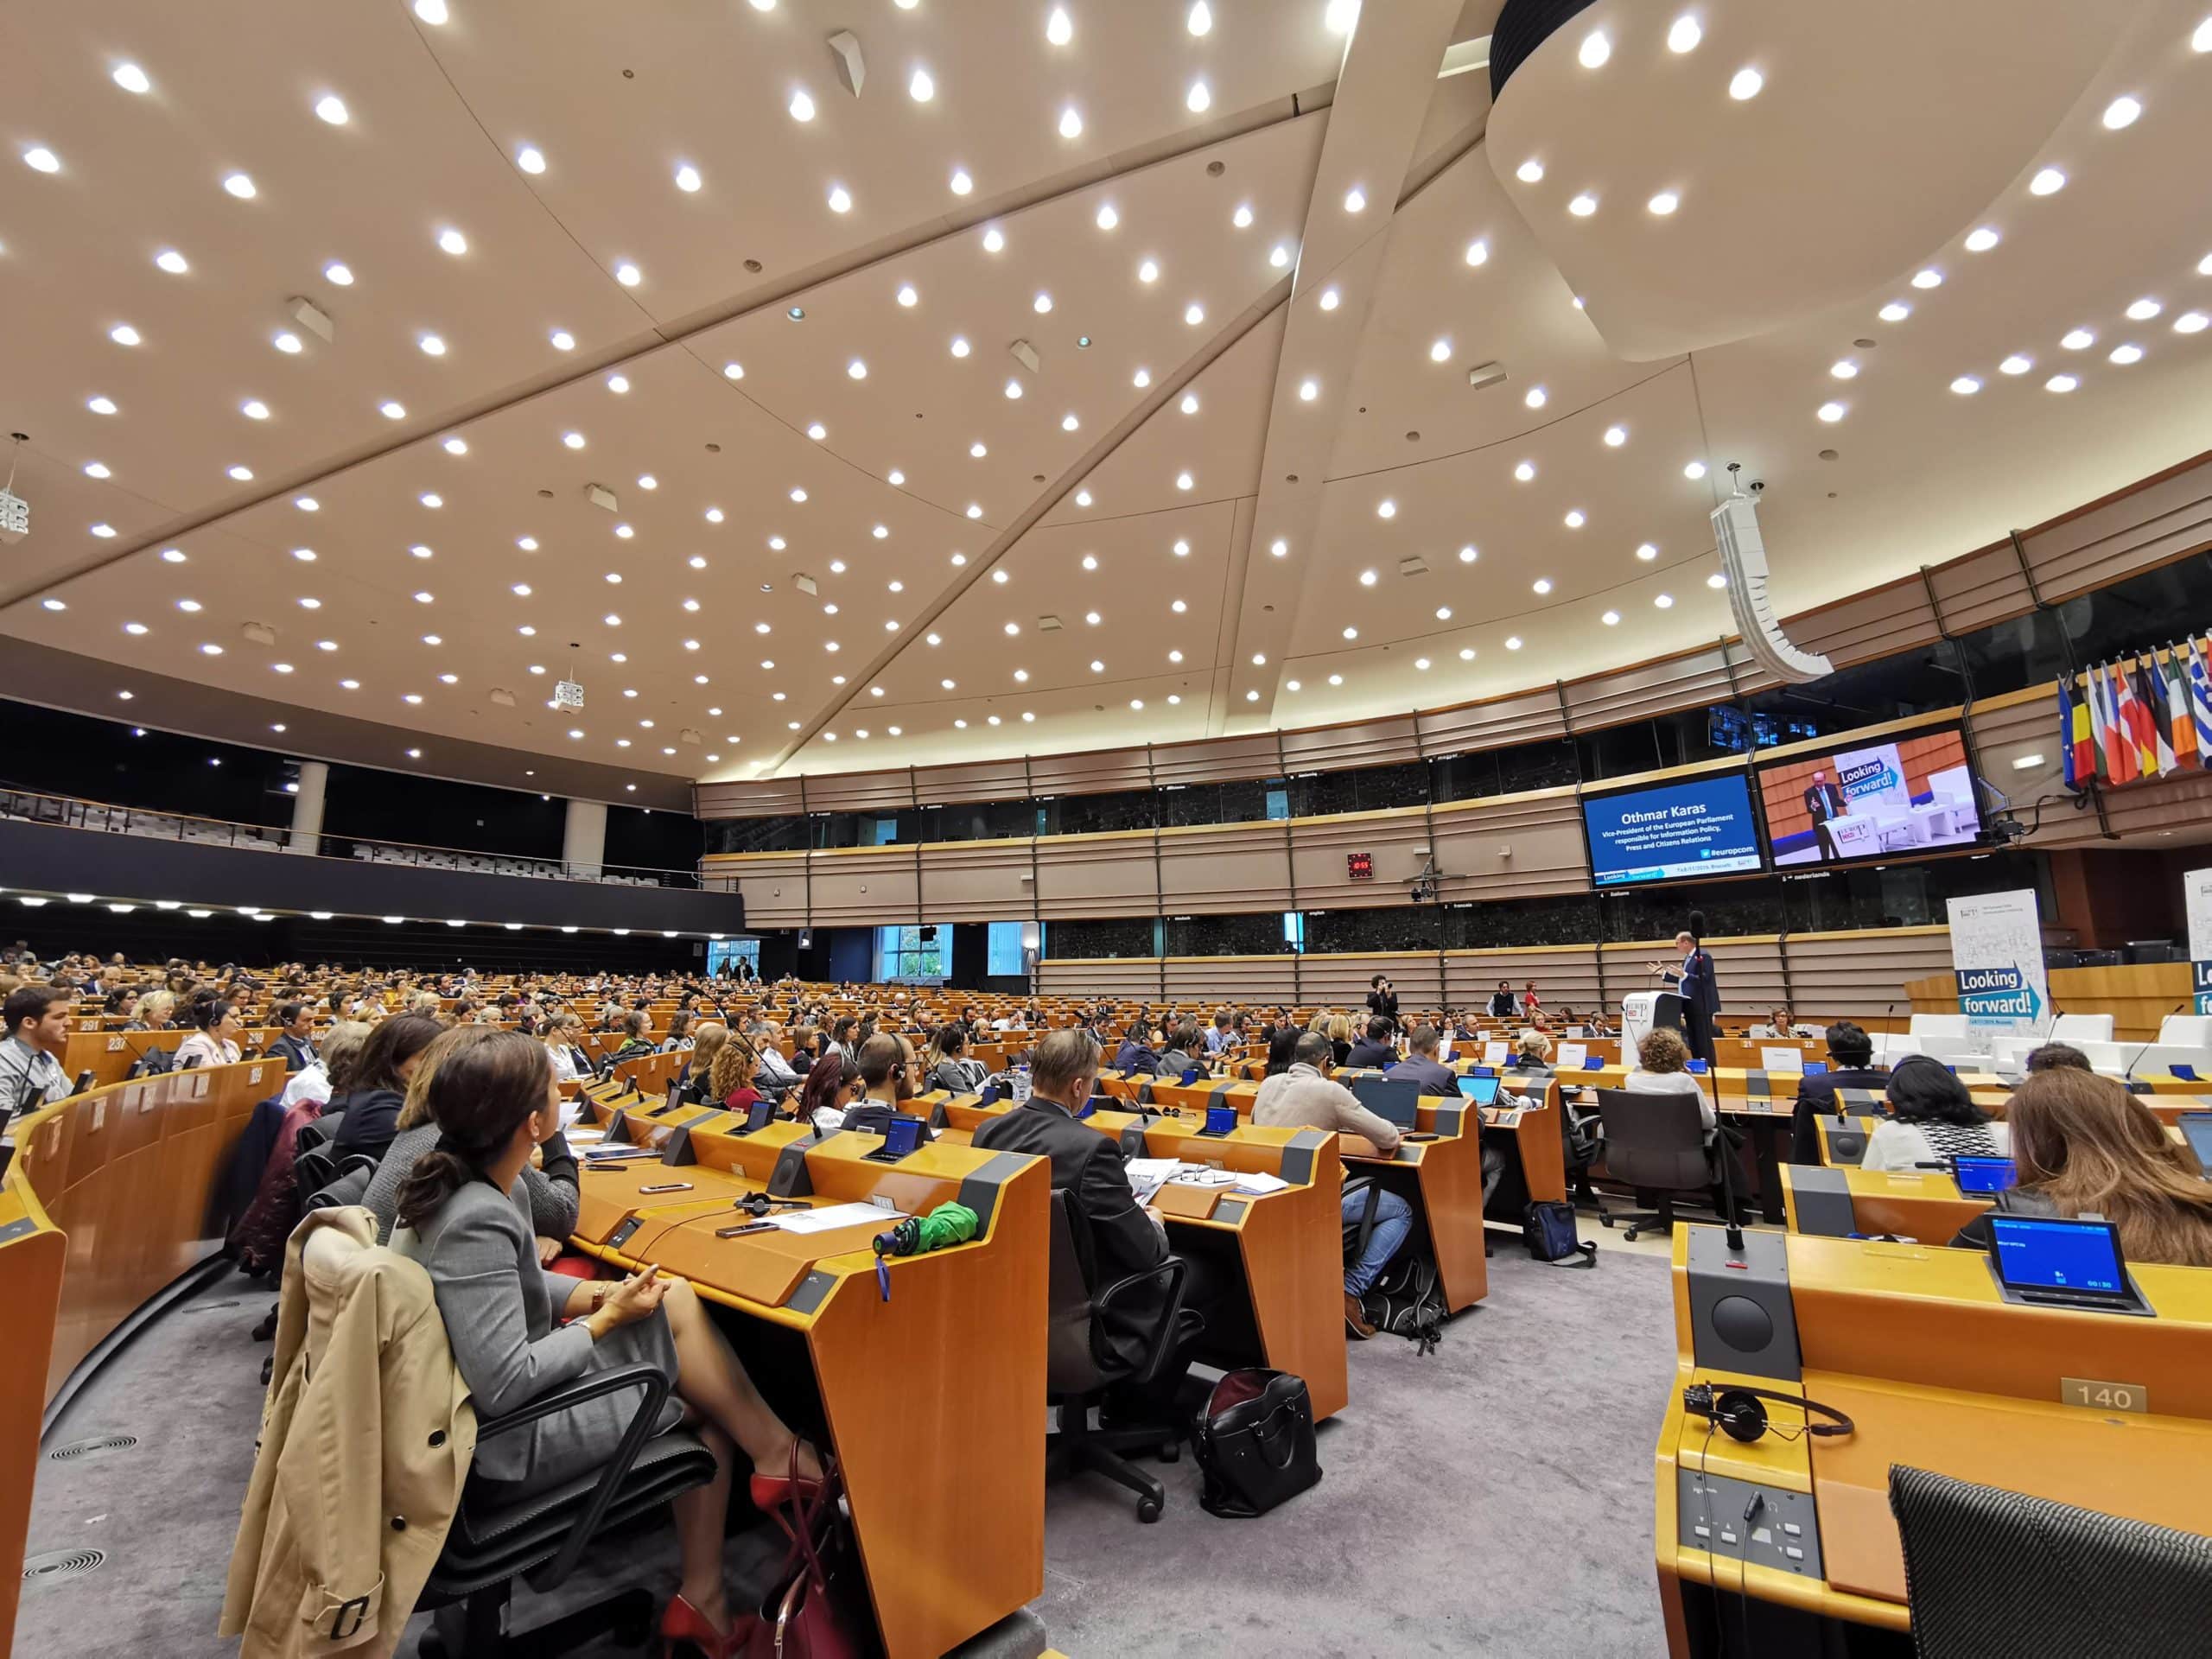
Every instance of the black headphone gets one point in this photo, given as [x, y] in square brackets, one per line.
[1737, 1411]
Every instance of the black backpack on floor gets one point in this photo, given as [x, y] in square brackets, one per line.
[1407, 1301]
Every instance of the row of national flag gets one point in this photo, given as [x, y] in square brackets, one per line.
[2144, 716]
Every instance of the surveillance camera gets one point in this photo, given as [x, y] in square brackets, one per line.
[1757, 486]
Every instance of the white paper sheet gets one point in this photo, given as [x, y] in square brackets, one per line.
[1259, 1180]
[1571, 1056]
[1783, 1059]
[833, 1216]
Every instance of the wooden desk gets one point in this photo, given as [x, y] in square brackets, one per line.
[1537, 1139]
[933, 1401]
[1937, 1371]
[1442, 1180]
[1924, 1205]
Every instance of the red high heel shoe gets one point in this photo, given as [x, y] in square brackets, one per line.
[683, 1626]
[772, 1494]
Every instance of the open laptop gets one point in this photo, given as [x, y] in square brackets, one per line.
[1395, 1100]
[2053, 1261]
[1984, 1175]
[1481, 1090]
[2196, 1129]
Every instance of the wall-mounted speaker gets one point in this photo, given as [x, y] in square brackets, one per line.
[1742, 561]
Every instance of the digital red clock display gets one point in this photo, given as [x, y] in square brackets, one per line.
[1360, 867]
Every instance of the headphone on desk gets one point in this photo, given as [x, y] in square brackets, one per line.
[1738, 1415]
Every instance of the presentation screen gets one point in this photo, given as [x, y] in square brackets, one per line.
[1880, 800]
[1699, 827]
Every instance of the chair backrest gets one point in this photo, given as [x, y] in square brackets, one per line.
[2081, 1027]
[1992, 1572]
[1939, 1024]
[2185, 1031]
[1070, 1365]
[1654, 1140]
[1891, 1046]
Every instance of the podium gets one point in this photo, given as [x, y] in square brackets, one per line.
[1642, 1012]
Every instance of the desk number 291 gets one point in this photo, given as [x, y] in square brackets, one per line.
[2103, 1396]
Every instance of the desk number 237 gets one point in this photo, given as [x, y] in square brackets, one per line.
[2103, 1396]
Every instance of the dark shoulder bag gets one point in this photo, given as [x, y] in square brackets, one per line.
[1253, 1438]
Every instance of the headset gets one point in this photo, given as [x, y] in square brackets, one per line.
[1738, 1415]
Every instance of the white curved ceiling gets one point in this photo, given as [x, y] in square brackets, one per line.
[1264, 283]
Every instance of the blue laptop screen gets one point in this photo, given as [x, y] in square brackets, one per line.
[1984, 1175]
[1482, 1091]
[2196, 1129]
[2033, 1253]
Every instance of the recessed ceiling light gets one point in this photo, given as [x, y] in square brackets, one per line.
[1981, 240]
[2076, 339]
[1929, 278]
[962, 184]
[530, 159]
[1279, 256]
[2189, 322]
[1355, 199]
[1583, 206]
[1309, 389]
[173, 261]
[1664, 204]
[1148, 271]
[2016, 365]
[802, 105]
[628, 274]
[40, 159]
[1141, 379]
[2125, 355]
[1184, 480]
[1367, 578]
[453, 241]
[1746, 84]
[1280, 548]
[1894, 311]
[994, 239]
[1200, 18]
[1616, 437]
[2144, 309]
[1530, 171]
[1694, 470]
[1574, 520]
[1198, 99]
[1595, 50]
[1242, 219]
[2049, 182]
[243, 475]
[1524, 471]
[1069, 422]
[1013, 387]
[97, 469]
[1684, 34]
[1535, 396]
[1647, 552]
[1966, 385]
[1042, 303]
[1386, 508]
[2121, 113]
[392, 411]
[238, 184]
[1611, 619]
[1440, 351]
[1844, 368]
[1469, 553]
[1071, 122]
[817, 431]
[431, 345]
[1664, 602]
[919, 86]
[1189, 403]
[1830, 412]
[840, 199]
[1329, 298]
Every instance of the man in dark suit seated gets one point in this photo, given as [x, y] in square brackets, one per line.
[1850, 1053]
[1825, 801]
[1376, 1050]
[295, 1043]
[1126, 1237]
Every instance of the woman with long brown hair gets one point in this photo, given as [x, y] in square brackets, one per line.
[463, 1215]
[729, 1079]
[2082, 1144]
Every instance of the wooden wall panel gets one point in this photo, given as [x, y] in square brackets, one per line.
[1093, 774]
[1098, 875]
[1237, 867]
[988, 780]
[1135, 977]
[860, 792]
[1566, 976]
[1891, 618]
[1981, 588]
[1218, 760]
[758, 798]
[1649, 688]
[1320, 846]
[864, 886]
[1214, 982]
[1386, 742]
[773, 885]
[1341, 981]
[1862, 973]
[1509, 847]
[2139, 529]
[977, 882]
[1524, 717]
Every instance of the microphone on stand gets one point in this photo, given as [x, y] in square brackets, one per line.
[2128, 1072]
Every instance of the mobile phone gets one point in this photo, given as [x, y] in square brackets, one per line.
[743, 1228]
[667, 1187]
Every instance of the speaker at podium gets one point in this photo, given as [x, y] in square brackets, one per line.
[1642, 1011]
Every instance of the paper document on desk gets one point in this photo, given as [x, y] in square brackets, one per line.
[1206, 1178]
[1259, 1181]
[1783, 1059]
[1571, 1056]
[833, 1216]
[1493, 1054]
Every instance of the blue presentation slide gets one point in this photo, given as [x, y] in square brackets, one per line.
[1701, 828]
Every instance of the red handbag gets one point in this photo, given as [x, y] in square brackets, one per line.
[816, 1606]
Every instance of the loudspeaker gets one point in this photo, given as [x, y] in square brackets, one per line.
[1743, 562]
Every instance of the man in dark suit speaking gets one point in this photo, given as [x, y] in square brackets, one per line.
[1825, 801]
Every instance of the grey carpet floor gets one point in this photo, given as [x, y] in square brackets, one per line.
[1494, 1498]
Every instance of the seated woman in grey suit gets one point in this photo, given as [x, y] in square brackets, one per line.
[463, 1214]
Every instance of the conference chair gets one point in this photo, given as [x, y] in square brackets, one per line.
[543, 1537]
[1081, 1366]
[1992, 1573]
[1657, 1143]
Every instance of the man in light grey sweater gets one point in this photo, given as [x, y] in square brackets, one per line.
[1306, 1097]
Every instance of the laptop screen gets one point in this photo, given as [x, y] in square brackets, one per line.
[2196, 1129]
[1984, 1175]
[2038, 1253]
[1395, 1100]
[1482, 1091]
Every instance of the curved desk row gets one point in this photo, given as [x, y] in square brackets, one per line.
[109, 1198]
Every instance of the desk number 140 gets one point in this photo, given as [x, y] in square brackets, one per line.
[2103, 1396]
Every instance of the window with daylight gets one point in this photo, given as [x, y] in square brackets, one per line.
[733, 950]
[918, 951]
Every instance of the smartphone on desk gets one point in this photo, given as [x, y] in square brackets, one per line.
[1220, 1120]
[902, 1137]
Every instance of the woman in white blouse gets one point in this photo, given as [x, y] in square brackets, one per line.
[1932, 1118]
[214, 1041]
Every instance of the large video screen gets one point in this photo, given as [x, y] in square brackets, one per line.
[1699, 827]
[1880, 800]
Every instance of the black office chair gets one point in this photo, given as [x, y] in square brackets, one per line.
[1656, 1143]
[1081, 1365]
[542, 1538]
[1992, 1573]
